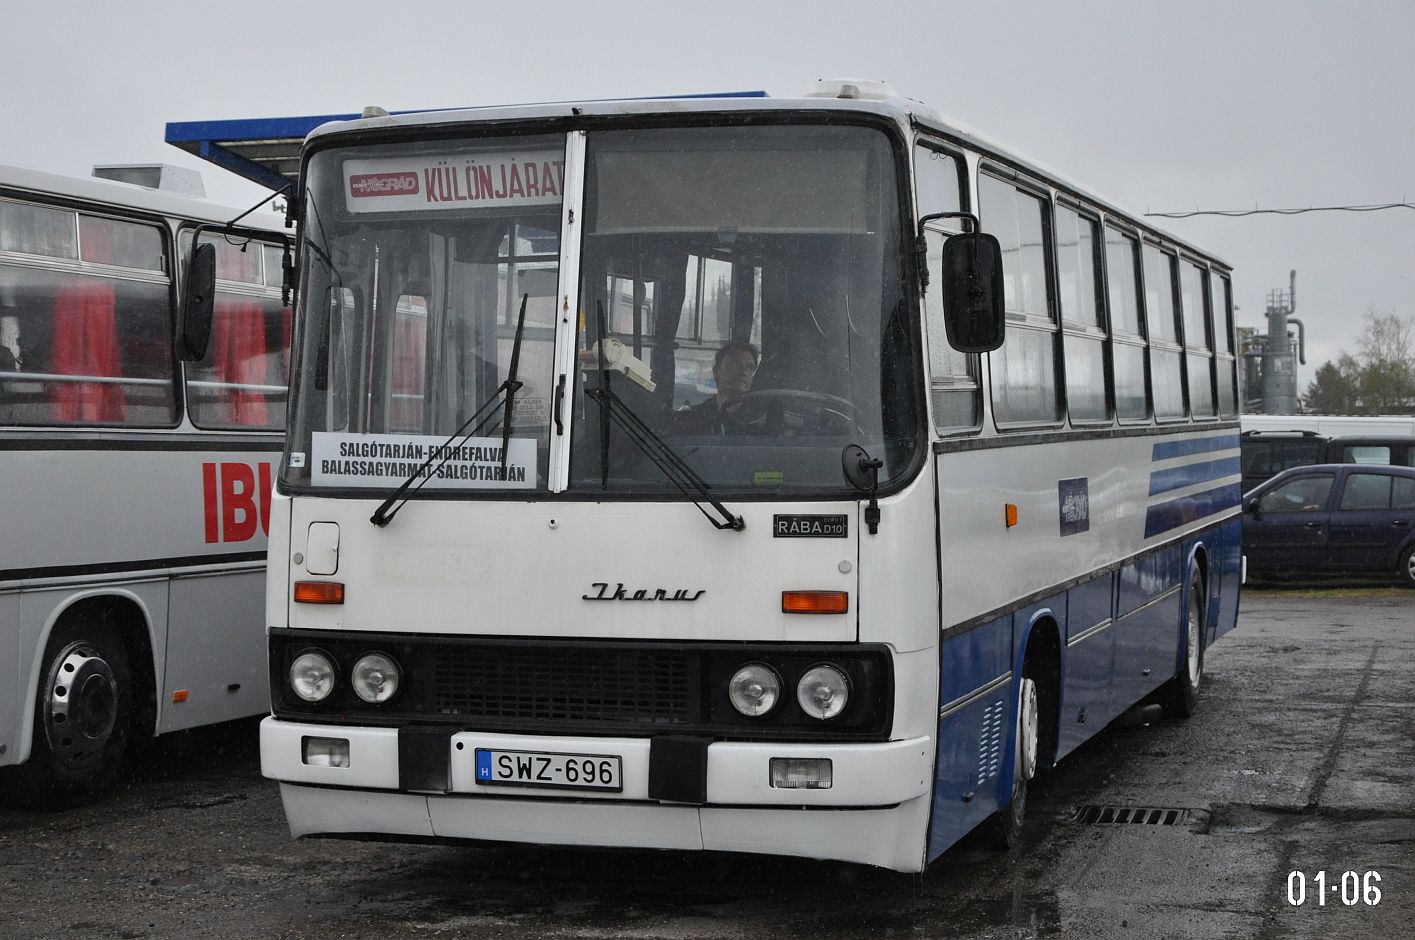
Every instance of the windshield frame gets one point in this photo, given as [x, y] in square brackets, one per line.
[906, 382]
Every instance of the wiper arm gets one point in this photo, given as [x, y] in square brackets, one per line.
[512, 384]
[665, 458]
[670, 463]
[386, 510]
[603, 411]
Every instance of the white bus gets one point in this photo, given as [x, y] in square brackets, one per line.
[1334, 425]
[844, 603]
[137, 487]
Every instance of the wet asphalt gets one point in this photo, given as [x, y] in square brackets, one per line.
[1300, 759]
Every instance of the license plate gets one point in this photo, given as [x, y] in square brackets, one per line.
[550, 770]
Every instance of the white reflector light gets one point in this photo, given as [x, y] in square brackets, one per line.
[326, 752]
[800, 773]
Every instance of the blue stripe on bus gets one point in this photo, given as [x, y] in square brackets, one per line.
[1177, 512]
[1194, 445]
[1207, 472]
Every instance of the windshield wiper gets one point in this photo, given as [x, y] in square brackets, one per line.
[512, 384]
[386, 510]
[665, 458]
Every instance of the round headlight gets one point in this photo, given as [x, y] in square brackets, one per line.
[375, 678]
[312, 676]
[823, 692]
[754, 689]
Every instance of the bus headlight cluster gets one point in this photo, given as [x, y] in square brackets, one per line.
[754, 689]
[822, 692]
[312, 676]
[375, 678]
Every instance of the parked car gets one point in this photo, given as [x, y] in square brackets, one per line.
[1267, 453]
[1333, 518]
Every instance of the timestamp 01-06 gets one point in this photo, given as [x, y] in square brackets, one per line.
[1352, 887]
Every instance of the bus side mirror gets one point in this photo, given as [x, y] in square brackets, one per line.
[198, 300]
[971, 284]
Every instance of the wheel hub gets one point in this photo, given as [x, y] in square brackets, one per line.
[1027, 729]
[1194, 643]
[80, 706]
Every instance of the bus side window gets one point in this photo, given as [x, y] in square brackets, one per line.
[1024, 370]
[1126, 325]
[954, 389]
[84, 347]
[241, 381]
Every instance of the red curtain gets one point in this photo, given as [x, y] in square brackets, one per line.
[409, 366]
[238, 353]
[86, 343]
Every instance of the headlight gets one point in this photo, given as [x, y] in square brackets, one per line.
[312, 676]
[376, 678]
[823, 692]
[754, 689]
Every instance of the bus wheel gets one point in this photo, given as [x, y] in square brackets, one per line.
[1004, 828]
[83, 716]
[1181, 694]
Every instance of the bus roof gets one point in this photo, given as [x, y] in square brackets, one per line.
[121, 195]
[267, 150]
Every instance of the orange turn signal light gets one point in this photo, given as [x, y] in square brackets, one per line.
[180, 695]
[1009, 514]
[815, 602]
[319, 592]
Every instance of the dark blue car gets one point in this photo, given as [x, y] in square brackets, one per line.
[1333, 518]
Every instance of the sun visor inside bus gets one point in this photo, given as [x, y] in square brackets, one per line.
[744, 191]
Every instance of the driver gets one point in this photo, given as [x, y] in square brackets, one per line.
[734, 367]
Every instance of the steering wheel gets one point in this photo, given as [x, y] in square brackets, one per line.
[789, 411]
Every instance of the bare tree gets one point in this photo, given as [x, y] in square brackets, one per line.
[1387, 372]
[1378, 381]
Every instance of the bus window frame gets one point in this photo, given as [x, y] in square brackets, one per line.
[186, 231]
[1023, 183]
[1208, 348]
[1135, 237]
[945, 228]
[1170, 257]
[1101, 329]
[77, 208]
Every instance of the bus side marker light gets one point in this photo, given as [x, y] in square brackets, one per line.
[801, 773]
[319, 592]
[1009, 511]
[326, 752]
[815, 602]
[180, 695]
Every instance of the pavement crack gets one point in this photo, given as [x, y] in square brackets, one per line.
[1333, 754]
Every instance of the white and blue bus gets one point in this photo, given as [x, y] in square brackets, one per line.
[132, 560]
[659, 475]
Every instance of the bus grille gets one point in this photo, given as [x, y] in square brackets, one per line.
[640, 686]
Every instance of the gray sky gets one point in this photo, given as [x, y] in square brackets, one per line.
[1159, 106]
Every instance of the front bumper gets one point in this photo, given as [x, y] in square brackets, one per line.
[875, 812]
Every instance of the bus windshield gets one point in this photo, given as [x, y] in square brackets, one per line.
[739, 302]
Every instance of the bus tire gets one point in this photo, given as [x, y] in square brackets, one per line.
[1003, 829]
[1406, 568]
[83, 716]
[1180, 697]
